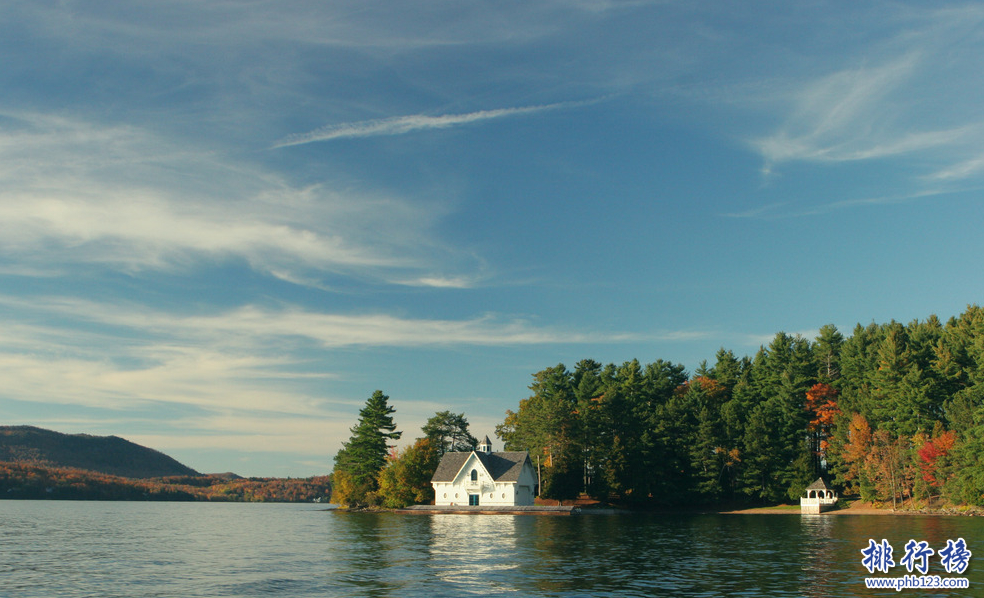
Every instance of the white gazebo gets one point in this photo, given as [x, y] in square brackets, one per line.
[819, 498]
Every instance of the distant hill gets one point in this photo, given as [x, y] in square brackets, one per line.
[104, 454]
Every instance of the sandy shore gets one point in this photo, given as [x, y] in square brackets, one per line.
[862, 508]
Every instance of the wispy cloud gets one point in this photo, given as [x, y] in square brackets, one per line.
[238, 370]
[442, 282]
[794, 210]
[841, 117]
[254, 326]
[903, 95]
[959, 171]
[76, 193]
[764, 211]
[400, 125]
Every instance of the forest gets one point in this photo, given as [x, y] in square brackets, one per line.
[893, 413]
[28, 481]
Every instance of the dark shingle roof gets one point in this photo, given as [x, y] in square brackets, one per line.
[449, 466]
[503, 467]
[818, 485]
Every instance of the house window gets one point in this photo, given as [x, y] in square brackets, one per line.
[473, 500]
[474, 475]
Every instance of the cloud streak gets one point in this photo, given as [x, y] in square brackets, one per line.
[253, 327]
[124, 198]
[783, 210]
[887, 100]
[401, 125]
[841, 117]
[245, 365]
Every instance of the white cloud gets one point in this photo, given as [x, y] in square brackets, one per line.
[254, 326]
[78, 193]
[909, 94]
[962, 170]
[441, 282]
[399, 125]
[247, 375]
[773, 211]
[842, 116]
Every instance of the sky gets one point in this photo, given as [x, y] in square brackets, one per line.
[224, 224]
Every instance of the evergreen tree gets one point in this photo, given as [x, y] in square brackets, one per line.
[448, 432]
[895, 412]
[763, 455]
[827, 350]
[358, 464]
[547, 425]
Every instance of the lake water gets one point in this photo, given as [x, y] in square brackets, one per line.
[185, 550]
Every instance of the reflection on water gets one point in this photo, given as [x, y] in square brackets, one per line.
[205, 550]
[473, 553]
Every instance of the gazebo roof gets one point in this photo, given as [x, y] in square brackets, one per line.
[818, 485]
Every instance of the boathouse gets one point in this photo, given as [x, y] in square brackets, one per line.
[481, 477]
[819, 498]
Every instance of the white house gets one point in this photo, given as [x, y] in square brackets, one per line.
[481, 477]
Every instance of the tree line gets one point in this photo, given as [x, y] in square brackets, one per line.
[893, 413]
[28, 481]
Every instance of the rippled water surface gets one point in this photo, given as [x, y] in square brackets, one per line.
[191, 550]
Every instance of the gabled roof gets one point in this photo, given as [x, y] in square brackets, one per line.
[450, 465]
[818, 485]
[503, 467]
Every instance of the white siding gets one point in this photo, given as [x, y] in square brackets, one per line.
[490, 493]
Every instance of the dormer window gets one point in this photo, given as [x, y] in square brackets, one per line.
[474, 475]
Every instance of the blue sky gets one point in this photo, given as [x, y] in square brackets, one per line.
[224, 224]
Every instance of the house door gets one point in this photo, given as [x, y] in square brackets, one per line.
[473, 500]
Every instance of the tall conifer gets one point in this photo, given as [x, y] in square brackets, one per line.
[364, 455]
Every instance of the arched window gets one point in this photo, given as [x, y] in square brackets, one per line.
[474, 476]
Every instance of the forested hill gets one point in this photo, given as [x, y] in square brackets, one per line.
[103, 454]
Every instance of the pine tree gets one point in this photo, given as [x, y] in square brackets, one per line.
[827, 349]
[361, 459]
[448, 432]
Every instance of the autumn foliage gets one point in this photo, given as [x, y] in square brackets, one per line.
[821, 406]
[932, 454]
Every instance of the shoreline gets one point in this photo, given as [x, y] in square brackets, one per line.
[852, 508]
[860, 508]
